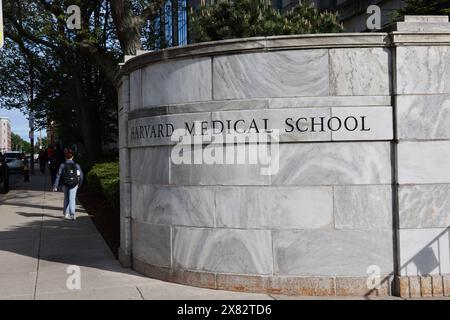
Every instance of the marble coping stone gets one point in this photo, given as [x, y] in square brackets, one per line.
[422, 38]
[423, 27]
[427, 19]
[257, 44]
[424, 24]
[262, 103]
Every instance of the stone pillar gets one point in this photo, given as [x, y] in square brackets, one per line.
[422, 106]
[125, 182]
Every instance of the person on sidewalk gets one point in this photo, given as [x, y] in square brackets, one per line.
[71, 177]
[42, 159]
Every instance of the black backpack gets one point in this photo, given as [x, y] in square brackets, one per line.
[69, 175]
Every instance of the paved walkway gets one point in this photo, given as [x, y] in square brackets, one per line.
[37, 246]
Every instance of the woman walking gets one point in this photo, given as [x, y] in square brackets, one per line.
[71, 178]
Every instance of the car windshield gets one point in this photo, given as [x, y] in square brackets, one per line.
[13, 155]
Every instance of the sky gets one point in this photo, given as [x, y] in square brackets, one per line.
[19, 122]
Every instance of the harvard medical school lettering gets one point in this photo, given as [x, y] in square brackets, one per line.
[148, 129]
[322, 124]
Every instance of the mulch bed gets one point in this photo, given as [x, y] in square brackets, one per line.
[105, 217]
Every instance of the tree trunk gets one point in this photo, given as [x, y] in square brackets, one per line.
[128, 26]
[89, 118]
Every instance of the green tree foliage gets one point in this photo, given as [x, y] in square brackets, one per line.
[424, 7]
[251, 18]
[18, 144]
[71, 73]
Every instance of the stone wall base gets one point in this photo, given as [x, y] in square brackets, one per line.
[124, 259]
[423, 286]
[289, 285]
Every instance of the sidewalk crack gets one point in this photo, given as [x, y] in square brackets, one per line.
[140, 293]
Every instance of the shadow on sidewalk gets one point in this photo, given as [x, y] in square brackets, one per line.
[32, 224]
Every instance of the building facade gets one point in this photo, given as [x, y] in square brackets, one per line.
[5, 134]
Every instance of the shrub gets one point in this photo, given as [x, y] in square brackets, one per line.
[252, 18]
[105, 177]
[424, 7]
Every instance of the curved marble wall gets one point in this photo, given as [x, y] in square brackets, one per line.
[322, 223]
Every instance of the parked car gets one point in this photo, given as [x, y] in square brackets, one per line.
[4, 175]
[15, 160]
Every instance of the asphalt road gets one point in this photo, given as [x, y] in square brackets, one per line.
[14, 178]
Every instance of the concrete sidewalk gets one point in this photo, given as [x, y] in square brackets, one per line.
[37, 246]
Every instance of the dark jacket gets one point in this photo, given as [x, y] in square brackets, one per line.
[61, 168]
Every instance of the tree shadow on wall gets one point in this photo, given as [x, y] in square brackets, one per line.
[427, 261]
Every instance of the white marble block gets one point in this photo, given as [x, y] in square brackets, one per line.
[124, 163]
[424, 206]
[228, 173]
[271, 74]
[269, 208]
[359, 71]
[123, 130]
[124, 95]
[150, 165]
[172, 205]
[423, 69]
[334, 164]
[125, 235]
[421, 117]
[136, 90]
[330, 253]
[363, 207]
[177, 81]
[424, 162]
[223, 250]
[152, 244]
[125, 199]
